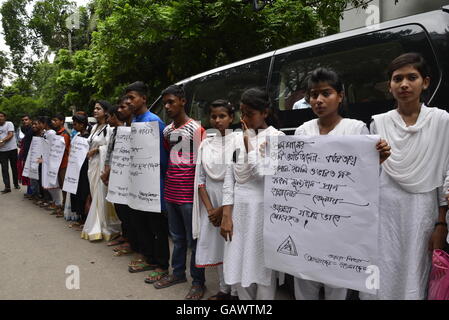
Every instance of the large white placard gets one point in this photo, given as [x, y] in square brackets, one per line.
[120, 161]
[49, 173]
[78, 152]
[57, 149]
[321, 209]
[144, 171]
[31, 168]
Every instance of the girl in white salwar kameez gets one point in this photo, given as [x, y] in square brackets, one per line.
[213, 155]
[243, 199]
[326, 94]
[412, 212]
[101, 222]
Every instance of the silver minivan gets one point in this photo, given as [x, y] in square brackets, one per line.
[360, 56]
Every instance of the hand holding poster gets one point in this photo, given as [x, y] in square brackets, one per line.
[120, 161]
[78, 151]
[57, 148]
[144, 171]
[31, 169]
[321, 209]
[47, 142]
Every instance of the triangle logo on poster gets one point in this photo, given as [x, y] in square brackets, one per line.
[288, 247]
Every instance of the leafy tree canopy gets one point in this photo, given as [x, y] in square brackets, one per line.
[114, 42]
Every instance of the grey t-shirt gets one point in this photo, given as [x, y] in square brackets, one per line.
[11, 144]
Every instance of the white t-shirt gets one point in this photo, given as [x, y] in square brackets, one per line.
[11, 144]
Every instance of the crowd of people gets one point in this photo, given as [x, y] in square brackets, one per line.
[213, 203]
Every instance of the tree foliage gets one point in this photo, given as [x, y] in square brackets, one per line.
[157, 41]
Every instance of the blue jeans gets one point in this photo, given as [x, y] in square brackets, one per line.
[180, 227]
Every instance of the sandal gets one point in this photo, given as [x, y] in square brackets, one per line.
[45, 204]
[122, 252]
[134, 262]
[52, 207]
[220, 296]
[73, 224]
[79, 228]
[196, 292]
[168, 281]
[156, 276]
[124, 246]
[115, 242]
[140, 267]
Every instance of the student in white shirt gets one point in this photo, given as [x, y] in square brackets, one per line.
[326, 96]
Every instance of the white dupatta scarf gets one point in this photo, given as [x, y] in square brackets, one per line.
[242, 169]
[214, 154]
[419, 153]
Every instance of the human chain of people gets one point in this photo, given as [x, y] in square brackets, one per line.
[325, 205]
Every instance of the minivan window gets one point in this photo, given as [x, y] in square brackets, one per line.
[361, 62]
[227, 84]
[158, 109]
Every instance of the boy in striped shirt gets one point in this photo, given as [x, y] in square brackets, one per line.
[182, 137]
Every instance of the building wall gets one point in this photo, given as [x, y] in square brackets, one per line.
[387, 10]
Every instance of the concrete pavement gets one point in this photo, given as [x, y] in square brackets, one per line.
[36, 248]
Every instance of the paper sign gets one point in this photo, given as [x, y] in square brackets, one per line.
[321, 209]
[31, 168]
[78, 152]
[57, 148]
[49, 173]
[144, 171]
[120, 161]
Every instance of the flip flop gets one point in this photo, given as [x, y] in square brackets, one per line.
[115, 243]
[79, 228]
[141, 267]
[168, 281]
[122, 252]
[196, 292]
[155, 276]
[134, 262]
[121, 247]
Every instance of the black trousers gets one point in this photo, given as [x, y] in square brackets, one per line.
[152, 236]
[43, 194]
[128, 230]
[78, 200]
[11, 158]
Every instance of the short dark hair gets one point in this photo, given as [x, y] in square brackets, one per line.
[26, 115]
[139, 86]
[44, 119]
[80, 119]
[223, 104]
[414, 59]
[328, 76]
[114, 111]
[4, 114]
[105, 105]
[259, 100]
[83, 113]
[176, 90]
[121, 100]
[59, 116]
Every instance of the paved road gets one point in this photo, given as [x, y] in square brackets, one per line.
[36, 248]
